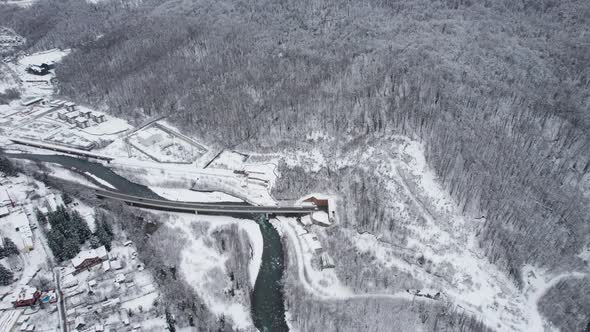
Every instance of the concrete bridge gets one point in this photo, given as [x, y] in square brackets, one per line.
[212, 208]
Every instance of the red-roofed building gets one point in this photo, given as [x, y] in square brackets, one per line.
[24, 297]
[317, 201]
[89, 258]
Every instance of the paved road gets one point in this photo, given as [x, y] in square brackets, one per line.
[201, 207]
[54, 147]
[61, 306]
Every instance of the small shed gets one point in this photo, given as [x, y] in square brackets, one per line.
[120, 278]
[326, 261]
[79, 323]
[106, 265]
[116, 265]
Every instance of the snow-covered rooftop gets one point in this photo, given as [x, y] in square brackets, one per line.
[100, 252]
[23, 293]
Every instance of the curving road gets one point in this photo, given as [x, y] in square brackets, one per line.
[201, 207]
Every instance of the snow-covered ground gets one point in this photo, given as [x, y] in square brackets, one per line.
[99, 180]
[322, 283]
[187, 195]
[204, 267]
[53, 55]
[59, 172]
[164, 145]
[153, 174]
[229, 160]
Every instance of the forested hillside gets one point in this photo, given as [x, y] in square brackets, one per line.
[498, 90]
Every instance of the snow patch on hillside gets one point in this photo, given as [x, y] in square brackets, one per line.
[312, 160]
[445, 243]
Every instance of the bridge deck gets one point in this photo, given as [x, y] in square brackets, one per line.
[201, 207]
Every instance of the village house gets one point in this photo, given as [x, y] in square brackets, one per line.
[85, 114]
[116, 265]
[53, 201]
[38, 70]
[98, 118]
[82, 122]
[323, 202]
[70, 106]
[89, 258]
[31, 101]
[120, 278]
[66, 115]
[79, 323]
[317, 201]
[48, 297]
[25, 296]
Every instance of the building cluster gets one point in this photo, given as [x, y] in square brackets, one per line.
[156, 140]
[9, 39]
[81, 118]
[97, 285]
[41, 69]
[14, 218]
[20, 304]
[313, 243]
[31, 101]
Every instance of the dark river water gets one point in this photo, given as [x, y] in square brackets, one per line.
[268, 308]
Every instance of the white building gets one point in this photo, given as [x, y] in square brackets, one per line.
[52, 202]
[16, 227]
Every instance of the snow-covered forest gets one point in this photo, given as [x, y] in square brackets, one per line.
[498, 92]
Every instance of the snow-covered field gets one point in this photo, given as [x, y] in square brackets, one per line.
[187, 195]
[164, 146]
[204, 267]
[53, 55]
[229, 160]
